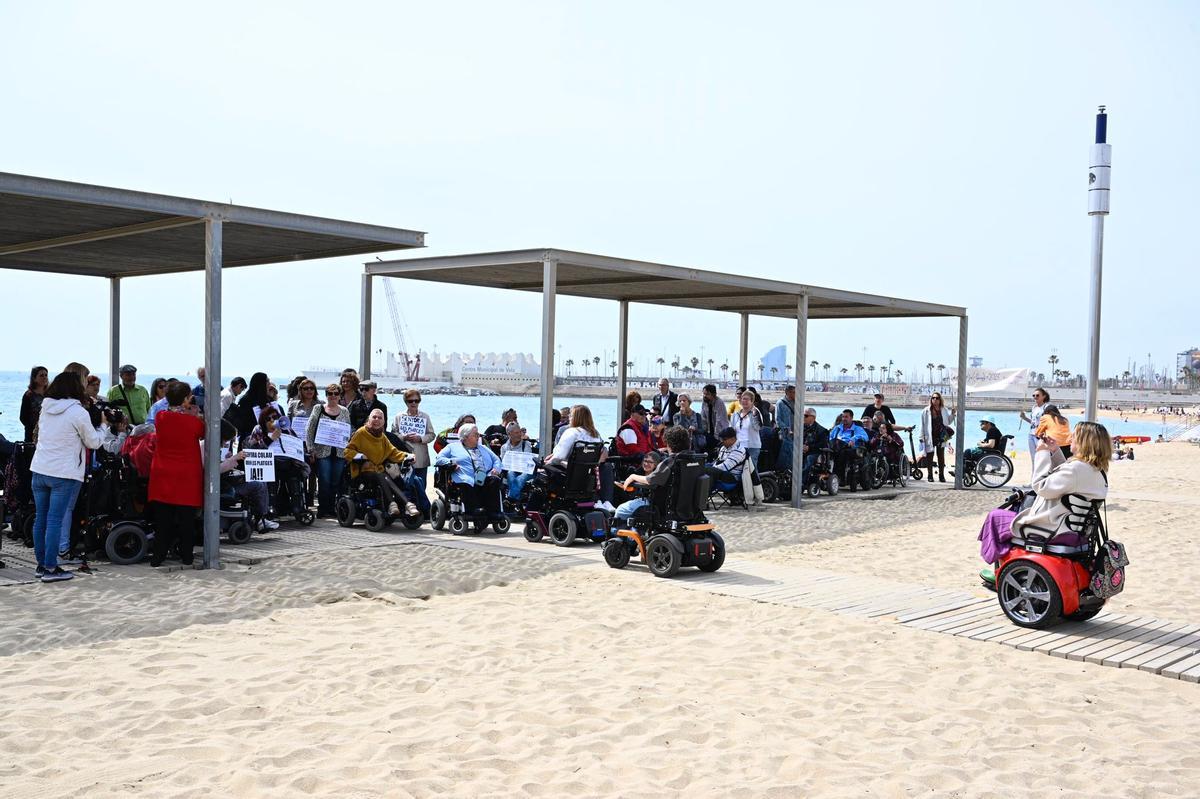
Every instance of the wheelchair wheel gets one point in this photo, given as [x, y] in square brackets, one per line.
[813, 490]
[832, 484]
[718, 559]
[770, 488]
[563, 528]
[458, 525]
[126, 544]
[502, 526]
[616, 553]
[663, 559]
[437, 513]
[306, 517]
[1028, 595]
[346, 510]
[877, 474]
[239, 533]
[533, 533]
[376, 520]
[993, 470]
[412, 522]
[915, 473]
[969, 479]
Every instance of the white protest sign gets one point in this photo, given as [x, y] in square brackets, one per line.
[289, 447]
[332, 433]
[520, 462]
[300, 425]
[259, 466]
[406, 424]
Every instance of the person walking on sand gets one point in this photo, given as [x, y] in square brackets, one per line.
[1040, 397]
[935, 430]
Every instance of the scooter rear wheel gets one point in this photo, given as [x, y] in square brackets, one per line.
[1028, 595]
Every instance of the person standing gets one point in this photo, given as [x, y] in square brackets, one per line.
[935, 430]
[878, 407]
[747, 421]
[65, 433]
[1040, 399]
[230, 395]
[198, 389]
[418, 443]
[666, 401]
[689, 420]
[158, 397]
[244, 414]
[31, 400]
[131, 397]
[176, 475]
[785, 414]
[360, 409]
[713, 418]
[329, 460]
[1056, 426]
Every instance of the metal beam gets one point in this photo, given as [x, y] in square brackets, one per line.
[400, 266]
[48, 189]
[114, 330]
[622, 357]
[364, 332]
[743, 349]
[616, 279]
[546, 414]
[99, 235]
[213, 233]
[960, 423]
[798, 409]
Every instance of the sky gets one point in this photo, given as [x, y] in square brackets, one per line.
[934, 151]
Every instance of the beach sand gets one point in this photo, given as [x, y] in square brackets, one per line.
[420, 671]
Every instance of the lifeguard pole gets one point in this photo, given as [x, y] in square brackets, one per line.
[1098, 185]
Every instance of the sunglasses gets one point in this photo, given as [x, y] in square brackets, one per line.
[333, 393]
[307, 388]
[412, 402]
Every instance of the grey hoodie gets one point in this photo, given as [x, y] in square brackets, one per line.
[65, 432]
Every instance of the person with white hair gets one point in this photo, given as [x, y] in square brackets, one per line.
[476, 469]
[516, 441]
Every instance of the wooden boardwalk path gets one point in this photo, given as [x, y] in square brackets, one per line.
[1171, 649]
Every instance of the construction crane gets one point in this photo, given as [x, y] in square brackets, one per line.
[412, 364]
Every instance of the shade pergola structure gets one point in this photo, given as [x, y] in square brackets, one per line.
[553, 272]
[59, 227]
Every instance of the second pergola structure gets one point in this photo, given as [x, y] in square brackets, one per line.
[553, 272]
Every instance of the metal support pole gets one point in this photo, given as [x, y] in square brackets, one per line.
[364, 334]
[798, 410]
[212, 390]
[1099, 176]
[743, 350]
[622, 357]
[114, 330]
[546, 413]
[960, 421]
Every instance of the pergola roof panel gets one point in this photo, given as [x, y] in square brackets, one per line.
[603, 277]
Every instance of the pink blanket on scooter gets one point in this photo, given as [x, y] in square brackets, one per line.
[995, 534]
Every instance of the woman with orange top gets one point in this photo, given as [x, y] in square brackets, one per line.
[1055, 425]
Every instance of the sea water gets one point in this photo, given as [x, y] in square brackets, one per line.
[444, 409]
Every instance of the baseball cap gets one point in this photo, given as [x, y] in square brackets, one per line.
[127, 368]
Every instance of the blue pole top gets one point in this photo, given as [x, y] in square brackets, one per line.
[1101, 126]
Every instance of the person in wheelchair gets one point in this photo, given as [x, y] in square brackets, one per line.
[375, 461]
[627, 509]
[476, 471]
[581, 428]
[816, 439]
[849, 444]
[516, 440]
[993, 440]
[255, 495]
[291, 473]
[891, 446]
[677, 441]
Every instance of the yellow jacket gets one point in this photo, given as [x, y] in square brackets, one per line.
[376, 449]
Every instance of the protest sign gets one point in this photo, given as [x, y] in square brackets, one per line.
[332, 433]
[300, 426]
[259, 466]
[289, 447]
[410, 424]
[520, 462]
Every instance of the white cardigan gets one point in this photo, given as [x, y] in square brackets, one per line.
[927, 426]
[65, 433]
[1053, 478]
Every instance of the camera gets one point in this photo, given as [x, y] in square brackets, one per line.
[112, 414]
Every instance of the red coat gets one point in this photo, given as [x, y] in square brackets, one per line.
[177, 472]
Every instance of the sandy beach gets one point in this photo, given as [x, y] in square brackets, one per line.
[423, 671]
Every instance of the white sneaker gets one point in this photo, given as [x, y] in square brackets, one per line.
[267, 525]
[393, 509]
[410, 509]
[606, 506]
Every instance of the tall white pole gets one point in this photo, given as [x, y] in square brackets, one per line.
[1099, 173]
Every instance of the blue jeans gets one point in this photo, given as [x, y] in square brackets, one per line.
[626, 510]
[53, 497]
[329, 479]
[784, 461]
[516, 481]
[415, 488]
[752, 456]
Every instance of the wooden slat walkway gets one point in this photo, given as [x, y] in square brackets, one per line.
[1171, 649]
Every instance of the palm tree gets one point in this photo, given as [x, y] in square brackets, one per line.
[675, 367]
[871, 372]
[660, 361]
[787, 368]
[858, 367]
[929, 366]
[813, 365]
[695, 362]
[845, 371]
[825, 366]
[724, 371]
[569, 364]
[1126, 376]
[761, 369]
[899, 376]
[709, 372]
[774, 371]
[941, 367]
[1053, 361]
[613, 366]
[735, 375]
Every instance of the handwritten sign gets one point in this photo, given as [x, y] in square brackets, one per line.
[332, 433]
[259, 466]
[519, 462]
[289, 447]
[406, 424]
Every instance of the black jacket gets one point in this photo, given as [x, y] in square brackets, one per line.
[672, 404]
[360, 409]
